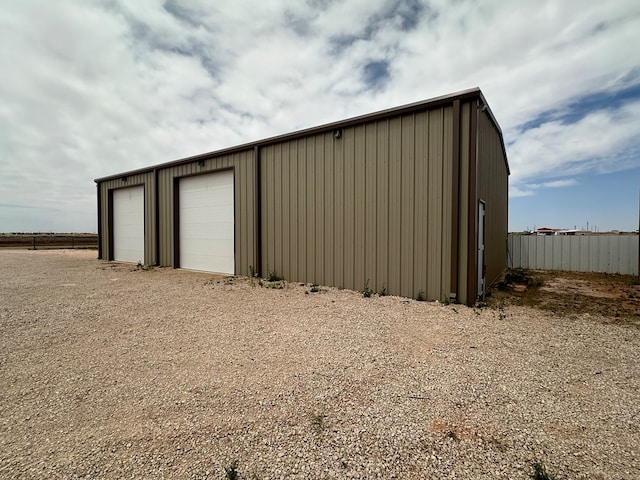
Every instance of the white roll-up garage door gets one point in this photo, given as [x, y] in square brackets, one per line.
[128, 224]
[206, 222]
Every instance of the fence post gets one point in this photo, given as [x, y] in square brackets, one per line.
[34, 242]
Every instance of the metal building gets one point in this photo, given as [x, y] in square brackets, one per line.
[410, 200]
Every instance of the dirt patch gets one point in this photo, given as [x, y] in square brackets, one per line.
[616, 298]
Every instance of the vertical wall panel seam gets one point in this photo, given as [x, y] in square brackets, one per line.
[388, 203]
[388, 155]
[364, 205]
[376, 208]
[427, 150]
[414, 287]
[110, 249]
[443, 205]
[99, 193]
[156, 214]
[455, 207]
[343, 208]
[399, 194]
[472, 219]
[258, 212]
[374, 217]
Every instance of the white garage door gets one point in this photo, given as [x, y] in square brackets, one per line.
[128, 224]
[206, 222]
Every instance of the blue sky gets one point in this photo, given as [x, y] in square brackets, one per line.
[95, 88]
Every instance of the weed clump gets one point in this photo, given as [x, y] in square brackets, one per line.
[317, 421]
[367, 292]
[540, 472]
[273, 276]
[143, 267]
[518, 276]
[231, 472]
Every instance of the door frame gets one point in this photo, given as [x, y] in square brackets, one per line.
[176, 212]
[481, 248]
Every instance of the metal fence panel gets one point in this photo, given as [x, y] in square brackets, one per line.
[582, 253]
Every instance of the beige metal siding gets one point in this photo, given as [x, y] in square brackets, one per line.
[243, 164]
[493, 187]
[371, 206]
[147, 181]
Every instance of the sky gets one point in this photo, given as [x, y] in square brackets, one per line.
[94, 88]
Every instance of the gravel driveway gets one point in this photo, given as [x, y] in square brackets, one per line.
[108, 371]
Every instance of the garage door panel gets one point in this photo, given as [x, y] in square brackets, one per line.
[197, 221]
[206, 222]
[206, 247]
[128, 224]
[207, 216]
[195, 236]
[223, 264]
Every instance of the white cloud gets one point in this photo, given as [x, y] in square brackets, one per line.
[529, 189]
[602, 141]
[570, 182]
[97, 88]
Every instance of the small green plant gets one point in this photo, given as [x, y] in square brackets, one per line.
[540, 472]
[367, 292]
[143, 267]
[272, 276]
[231, 472]
[420, 297]
[317, 421]
[501, 314]
[383, 291]
[314, 288]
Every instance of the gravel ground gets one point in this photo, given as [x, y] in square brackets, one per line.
[108, 371]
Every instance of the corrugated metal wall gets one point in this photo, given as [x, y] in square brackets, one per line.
[575, 253]
[145, 179]
[243, 164]
[493, 184]
[373, 205]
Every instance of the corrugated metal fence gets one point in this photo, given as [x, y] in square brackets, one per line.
[580, 253]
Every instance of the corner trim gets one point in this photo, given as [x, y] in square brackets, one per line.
[99, 190]
[472, 204]
[455, 203]
[258, 212]
[110, 249]
[176, 222]
[156, 212]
